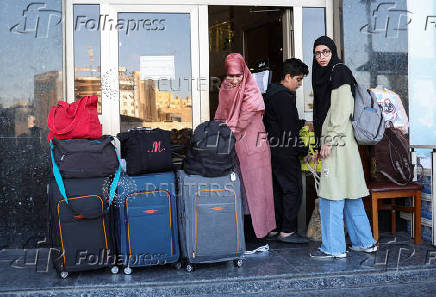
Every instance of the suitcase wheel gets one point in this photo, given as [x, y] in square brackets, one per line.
[127, 270]
[63, 274]
[177, 265]
[114, 269]
[238, 262]
[189, 268]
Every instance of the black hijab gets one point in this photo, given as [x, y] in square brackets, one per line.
[324, 81]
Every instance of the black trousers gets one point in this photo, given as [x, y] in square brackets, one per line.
[288, 190]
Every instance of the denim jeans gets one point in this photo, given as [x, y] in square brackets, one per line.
[333, 214]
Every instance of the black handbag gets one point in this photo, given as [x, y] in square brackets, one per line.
[146, 151]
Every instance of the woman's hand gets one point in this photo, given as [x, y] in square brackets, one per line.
[326, 149]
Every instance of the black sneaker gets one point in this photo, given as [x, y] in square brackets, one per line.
[293, 238]
[321, 255]
[270, 237]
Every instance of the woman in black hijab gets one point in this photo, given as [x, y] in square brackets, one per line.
[342, 183]
[322, 85]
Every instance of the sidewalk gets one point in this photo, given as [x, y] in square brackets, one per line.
[399, 268]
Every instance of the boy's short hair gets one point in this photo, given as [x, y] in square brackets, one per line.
[294, 67]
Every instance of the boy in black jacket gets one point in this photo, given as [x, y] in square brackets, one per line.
[283, 124]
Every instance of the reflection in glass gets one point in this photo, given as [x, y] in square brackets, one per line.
[30, 83]
[375, 44]
[155, 71]
[313, 27]
[87, 77]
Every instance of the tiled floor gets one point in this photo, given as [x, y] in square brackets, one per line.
[399, 266]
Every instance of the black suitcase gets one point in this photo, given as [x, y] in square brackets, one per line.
[81, 227]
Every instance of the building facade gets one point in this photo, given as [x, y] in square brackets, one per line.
[159, 63]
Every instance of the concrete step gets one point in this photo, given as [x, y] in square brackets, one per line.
[285, 270]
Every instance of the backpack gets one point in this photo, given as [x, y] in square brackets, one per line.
[367, 118]
[212, 151]
[391, 159]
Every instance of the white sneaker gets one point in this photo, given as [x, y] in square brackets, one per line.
[261, 249]
[370, 249]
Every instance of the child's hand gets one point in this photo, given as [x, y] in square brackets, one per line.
[310, 124]
[308, 158]
[315, 157]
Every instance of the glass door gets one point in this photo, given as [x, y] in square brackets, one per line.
[150, 67]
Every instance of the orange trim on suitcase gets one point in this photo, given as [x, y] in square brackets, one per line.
[79, 217]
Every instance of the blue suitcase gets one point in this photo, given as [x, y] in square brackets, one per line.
[145, 212]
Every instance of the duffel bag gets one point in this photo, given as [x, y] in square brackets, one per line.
[146, 151]
[85, 158]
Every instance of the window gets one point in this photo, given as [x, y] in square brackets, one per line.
[30, 83]
[87, 74]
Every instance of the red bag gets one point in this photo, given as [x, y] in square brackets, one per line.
[76, 120]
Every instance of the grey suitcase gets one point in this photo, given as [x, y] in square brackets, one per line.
[210, 219]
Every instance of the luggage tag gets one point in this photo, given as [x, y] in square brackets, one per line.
[233, 177]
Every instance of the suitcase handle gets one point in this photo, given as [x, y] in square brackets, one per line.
[78, 215]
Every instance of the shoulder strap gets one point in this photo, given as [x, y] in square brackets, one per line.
[333, 68]
[114, 184]
[57, 174]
